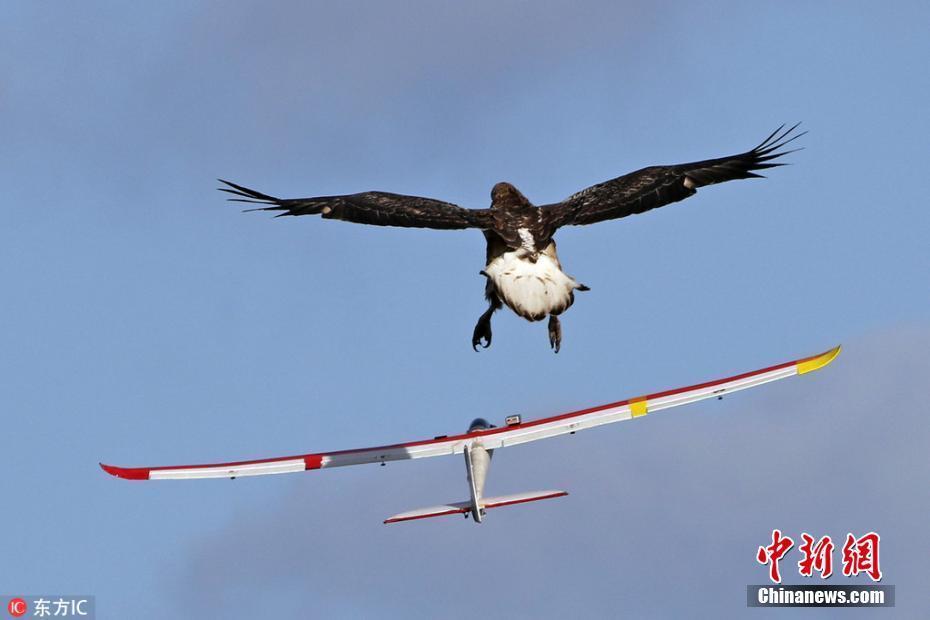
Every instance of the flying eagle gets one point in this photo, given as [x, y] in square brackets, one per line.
[522, 268]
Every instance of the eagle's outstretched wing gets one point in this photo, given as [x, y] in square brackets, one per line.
[657, 186]
[377, 208]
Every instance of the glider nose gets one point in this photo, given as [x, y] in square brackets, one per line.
[479, 424]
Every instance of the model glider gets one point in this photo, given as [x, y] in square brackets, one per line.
[522, 269]
[481, 440]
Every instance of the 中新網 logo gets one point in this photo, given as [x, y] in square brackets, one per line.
[859, 555]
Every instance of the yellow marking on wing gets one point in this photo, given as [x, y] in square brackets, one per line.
[818, 361]
[639, 407]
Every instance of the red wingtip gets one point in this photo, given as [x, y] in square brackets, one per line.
[129, 473]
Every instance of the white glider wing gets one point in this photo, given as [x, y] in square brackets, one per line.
[493, 438]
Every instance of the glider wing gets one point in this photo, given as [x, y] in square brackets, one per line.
[492, 438]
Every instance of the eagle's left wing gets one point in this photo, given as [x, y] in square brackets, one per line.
[658, 186]
[376, 208]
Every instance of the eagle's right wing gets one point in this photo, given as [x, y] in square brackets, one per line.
[657, 186]
[377, 208]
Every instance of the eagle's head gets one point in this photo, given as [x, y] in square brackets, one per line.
[504, 193]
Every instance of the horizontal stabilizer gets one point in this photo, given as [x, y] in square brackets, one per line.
[520, 498]
[456, 508]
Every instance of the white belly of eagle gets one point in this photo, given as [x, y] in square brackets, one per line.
[532, 290]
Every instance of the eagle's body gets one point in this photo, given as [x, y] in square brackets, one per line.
[522, 268]
[534, 289]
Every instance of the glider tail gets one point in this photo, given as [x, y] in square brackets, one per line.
[464, 508]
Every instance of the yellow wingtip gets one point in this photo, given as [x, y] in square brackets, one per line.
[818, 361]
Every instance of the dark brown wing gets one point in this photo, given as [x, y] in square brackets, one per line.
[657, 186]
[377, 208]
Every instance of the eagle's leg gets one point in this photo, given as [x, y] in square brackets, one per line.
[555, 333]
[483, 327]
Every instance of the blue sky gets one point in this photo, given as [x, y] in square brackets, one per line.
[144, 321]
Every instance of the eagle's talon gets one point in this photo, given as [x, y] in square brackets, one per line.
[555, 333]
[475, 343]
[482, 332]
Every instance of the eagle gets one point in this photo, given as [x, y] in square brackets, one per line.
[522, 269]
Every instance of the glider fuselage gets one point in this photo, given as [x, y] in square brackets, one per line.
[477, 464]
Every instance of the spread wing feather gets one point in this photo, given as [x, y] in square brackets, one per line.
[658, 186]
[376, 208]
